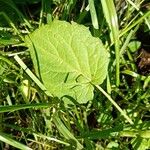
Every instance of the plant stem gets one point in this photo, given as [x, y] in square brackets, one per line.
[31, 75]
[115, 104]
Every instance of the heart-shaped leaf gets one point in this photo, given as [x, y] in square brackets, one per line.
[68, 59]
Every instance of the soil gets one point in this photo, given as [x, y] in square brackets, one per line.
[143, 61]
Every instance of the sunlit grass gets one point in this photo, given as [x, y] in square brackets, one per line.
[35, 120]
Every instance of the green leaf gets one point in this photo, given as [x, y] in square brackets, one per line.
[66, 133]
[68, 59]
[134, 46]
[25, 106]
[112, 145]
[7, 139]
[7, 39]
[139, 143]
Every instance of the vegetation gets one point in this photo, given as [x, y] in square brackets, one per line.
[74, 74]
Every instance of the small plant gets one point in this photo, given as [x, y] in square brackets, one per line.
[74, 74]
[69, 60]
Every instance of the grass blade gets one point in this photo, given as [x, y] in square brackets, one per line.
[125, 30]
[138, 9]
[12, 5]
[62, 129]
[37, 134]
[11, 24]
[7, 139]
[24, 106]
[115, 104]
[112, 20]
[31, 75]
[129, 133]
[93, 14]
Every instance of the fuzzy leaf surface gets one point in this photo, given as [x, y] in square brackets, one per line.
[68, 59]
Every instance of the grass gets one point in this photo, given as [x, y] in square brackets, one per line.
[29, 119]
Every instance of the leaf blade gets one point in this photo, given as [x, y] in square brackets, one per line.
[70, 59]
